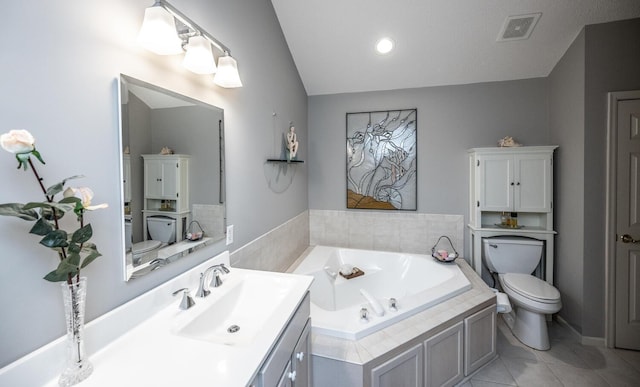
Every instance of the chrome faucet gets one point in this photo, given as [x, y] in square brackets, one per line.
[186, 302]
[203, 288]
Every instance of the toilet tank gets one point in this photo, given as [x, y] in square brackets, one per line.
[511, 254]
[162, 228]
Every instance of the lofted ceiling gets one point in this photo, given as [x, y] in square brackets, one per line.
[437, 42]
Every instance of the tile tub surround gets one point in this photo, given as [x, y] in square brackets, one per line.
[277, 249]
[384, 230]
[346, 359]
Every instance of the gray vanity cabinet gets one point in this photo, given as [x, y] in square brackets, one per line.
[443, 360]
[480, 334]
[403, 370]
[289, 362]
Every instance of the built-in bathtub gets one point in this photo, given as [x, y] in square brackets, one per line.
[416, 282]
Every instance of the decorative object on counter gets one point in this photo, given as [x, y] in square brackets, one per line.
[195, 234]
[126, 150]
[442, 254]
[382, 160]
[166, 151]
[74, 249]
[356, 272]
[292, 143]
[507, 142]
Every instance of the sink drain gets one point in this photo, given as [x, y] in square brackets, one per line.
[233, 329]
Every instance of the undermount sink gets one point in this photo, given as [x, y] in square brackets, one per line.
[237, 311]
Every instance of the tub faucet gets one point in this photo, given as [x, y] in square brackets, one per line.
[203, 288]
[332, 274]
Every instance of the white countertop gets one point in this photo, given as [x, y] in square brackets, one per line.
[139, 346]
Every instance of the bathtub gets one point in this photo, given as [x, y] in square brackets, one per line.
[415, 281]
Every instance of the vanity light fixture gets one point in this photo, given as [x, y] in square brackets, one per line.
[199, 57]
[164, 28]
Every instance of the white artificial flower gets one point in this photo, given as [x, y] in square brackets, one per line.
[85, 194]
[17, 141]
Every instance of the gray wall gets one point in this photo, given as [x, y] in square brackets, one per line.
[451, 119]
[61, 84]
[566, 121]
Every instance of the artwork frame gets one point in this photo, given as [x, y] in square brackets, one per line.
[382, 159]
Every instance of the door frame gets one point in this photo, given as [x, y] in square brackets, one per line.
[610, 212]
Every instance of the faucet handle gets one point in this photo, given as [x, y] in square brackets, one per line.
[186, 302]
[223, 268]
[202, 290]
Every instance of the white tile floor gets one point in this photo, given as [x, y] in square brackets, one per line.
[567, 363]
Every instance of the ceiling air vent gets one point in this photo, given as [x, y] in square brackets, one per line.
[518, 27]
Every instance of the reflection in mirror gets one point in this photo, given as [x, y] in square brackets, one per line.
[172, 173]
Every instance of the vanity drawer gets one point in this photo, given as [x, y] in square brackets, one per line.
[280, 355]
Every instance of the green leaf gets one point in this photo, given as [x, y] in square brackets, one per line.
[73, 259]
[61, 273]
[58, 187]
[64, 207]
[41, 227]
[82, 234]
[74, 248]
[18, 210]
[56, 238]
[90, 258]
[38, 156]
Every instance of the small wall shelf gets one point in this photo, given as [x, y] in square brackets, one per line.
[284, 161]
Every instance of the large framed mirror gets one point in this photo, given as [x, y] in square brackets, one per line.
[173, 183]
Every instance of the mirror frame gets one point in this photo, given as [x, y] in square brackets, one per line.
[129, 271]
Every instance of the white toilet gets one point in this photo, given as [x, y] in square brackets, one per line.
[162, 231]
[514, 259]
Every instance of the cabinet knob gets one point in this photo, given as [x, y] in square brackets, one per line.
[292, 375]
[300, 356]
[511, 183]
[518, 183]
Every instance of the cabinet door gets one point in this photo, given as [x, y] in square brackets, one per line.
[533, 183]
[170, 179]
[153, 179]
[443, 357]
[480, 339]
[126, 179]
[301, 359]
[496, 182]
[404, 370]
[286, 378]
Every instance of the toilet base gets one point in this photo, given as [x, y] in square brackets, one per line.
[528, 327]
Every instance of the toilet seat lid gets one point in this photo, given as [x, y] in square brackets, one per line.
[145, 246]
[531, 287]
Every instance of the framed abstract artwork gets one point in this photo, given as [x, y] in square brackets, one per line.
[382, 160]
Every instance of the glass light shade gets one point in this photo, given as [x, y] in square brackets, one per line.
[199, 57]
[158, 32]
[227, 75]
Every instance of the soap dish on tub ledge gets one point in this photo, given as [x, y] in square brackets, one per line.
[443, 255]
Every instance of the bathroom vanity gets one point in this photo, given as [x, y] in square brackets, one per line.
[149, 341]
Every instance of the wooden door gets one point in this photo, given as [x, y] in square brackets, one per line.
[627, 281]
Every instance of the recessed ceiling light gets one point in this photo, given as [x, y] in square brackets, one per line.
[384, 46]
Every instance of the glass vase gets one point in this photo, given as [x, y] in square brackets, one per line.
[77, 364]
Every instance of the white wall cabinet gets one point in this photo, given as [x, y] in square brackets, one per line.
[126, 178]
[166, 180]
[516, 182]
[520, 180]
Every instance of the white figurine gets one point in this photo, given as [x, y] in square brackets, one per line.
[292, 143]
